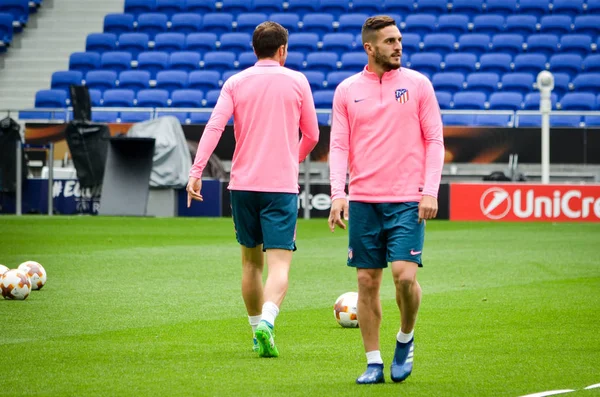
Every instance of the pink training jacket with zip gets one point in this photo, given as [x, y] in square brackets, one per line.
[270, 105]
[389, 134]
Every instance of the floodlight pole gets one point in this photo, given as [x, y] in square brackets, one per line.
[545, 83]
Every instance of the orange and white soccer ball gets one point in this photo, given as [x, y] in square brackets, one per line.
[345, 310]
[36, 273]
[3, 269]
[15, 284]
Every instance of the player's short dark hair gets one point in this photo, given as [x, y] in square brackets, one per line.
[373, 24]
[267, 38]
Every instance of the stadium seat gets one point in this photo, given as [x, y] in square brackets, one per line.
[434, 7]
[62, 80]
[170, 7]
[521, 24]
[200, 117]
[219, 61]
[532, 101]
[506, 101]
[476, 43]
[226, 75]
[592, 121]
[152, 24]
[483, 82]
[335, 78]
[354, 62]
[454, 24]
[201, 42]
[137, 7]
[444, 99]
[587, 82]
[556, 24]
[509, 43]
[442, 43]
[420, 24]
[493, 120]
[495, 62]
[401, 7]
[84, 61]
[530, 63]
[302, 7]
[6, 31]
[217, 22]
[587, 24]
[294, 60]
[501, 7]
[591, 63]
[186, 23]
[169, 42]
[571, 64]
[235, 42]
[426, 62]
[488, 23]
[134, 43]
[236, 6]
[152, 62]
[558, 120]
[247, 22]
[201, 6]
[318, 23]
[372, 7]
[100, 42]
[580, 44]
[101, 80]
[567, 7]
[518, 82]
[210, 98]
[153, 98]
[324, 118]
[323, 99]
[450, 82]
[303, 42]
[546, 44]
[170, 80]
[118, 23]
[528, 120]
[134, 80]
[561, 83]
[50, 99]
[101, 116]
[339, 43]
[186, 61]
[118, 98]
[187, 98]
[469, 7]
[459, 119]
[204, 80]
[461, 62]
[322, 61]
[315, 79]
[116, 60]
[267, 6]
[411, 43]
[351, 23]
[593, 7]
[335, 7]
[95, 97]
[534, 7]
[182, 116]
[287, 20]
[135, 116]
[19, 9]
[472, 100]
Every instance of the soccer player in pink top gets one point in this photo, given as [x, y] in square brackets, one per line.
[387, 130]
[270, 104]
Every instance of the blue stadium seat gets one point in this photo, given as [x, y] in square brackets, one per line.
[476, 43]
[420, 24]
[170, 80]
[318, 23]
[6, 31]
[201, 6]
[153, 62]
[576, 44]
[571, 64]
[236, 6]
[84, 61]
[200, 117]
[510, 43]
[204, 80]
[592, 121]
[591, 63]
[134, 80]
[153, 98]
[219, 61]
[116, 60]
[399, 6]
[450, 82]
[247, 22]
[411, 43]
[495, 62]
[170, 7]
[186, 61]
[134, 117]
[521, 24]
[201, 42]
[455, 24]
[546, 44]
[506, 101]
[100, 42]
[529, 120]
[118, 23]
[557, 120]
[488, 24]
[435, 7]
[235, 42]
[444, 99]
[62, 80]
[561, 83]
[218, 22]
[323, 99]
[302, 7]
[118, 98]
[442, 43]
[322, 61]
[49, 99]
[137, 7]
[472, 100]
[268, 6]
[101, 80]
[426, 62]
[483, 82]
[95, 97]
[335, 78]
[169, 42]
[287, 20]
[587, 24]
[152, 24]
[339, 43]
[315, 79]
[532, 101]
[351, 23]
[593, 7]
[459, 119]
[470, 7]
[226, 75]
[19, 9]
[557, 24]
[493, 120]
[530, 63]
[501, 7]
[324, 118]
[100, 116]
[210, 98]
[354, 62]
[294, 60]
[186, 23]
[587, 82]
[518, 82]
[179, 115]
[187, 98]
[372, 7]
[335, 7]
[534, 7]
[461, 62]
[134, 43]
[567, 7]
[303, 42]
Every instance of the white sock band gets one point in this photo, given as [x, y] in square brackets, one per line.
[374, 357]
[270, 312]
[405, 338]
[254, 320]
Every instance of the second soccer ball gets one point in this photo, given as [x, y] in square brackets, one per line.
[345, 310]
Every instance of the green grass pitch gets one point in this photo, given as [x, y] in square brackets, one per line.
[152, 307]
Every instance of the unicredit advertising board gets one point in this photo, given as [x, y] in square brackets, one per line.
[524, 202]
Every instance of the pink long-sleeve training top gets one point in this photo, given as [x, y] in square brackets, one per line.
[270, 104]
[388, 133]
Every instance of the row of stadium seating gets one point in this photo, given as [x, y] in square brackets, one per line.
[321, 23]
[337, 7]
[14, 15]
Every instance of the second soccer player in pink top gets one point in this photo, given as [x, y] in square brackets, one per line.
[387, 131]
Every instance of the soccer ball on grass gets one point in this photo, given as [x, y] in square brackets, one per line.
[36, 273]
[15, 284]
[345, 310]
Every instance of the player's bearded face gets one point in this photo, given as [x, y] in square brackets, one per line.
[388, 48]
[387, 58]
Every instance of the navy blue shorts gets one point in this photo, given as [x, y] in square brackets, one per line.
[265, 218]
[384, 232]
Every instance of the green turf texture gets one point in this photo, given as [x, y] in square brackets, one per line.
[145, 306]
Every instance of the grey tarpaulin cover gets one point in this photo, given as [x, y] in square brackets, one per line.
[172, 160]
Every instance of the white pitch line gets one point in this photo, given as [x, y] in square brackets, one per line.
[549, 393]
[592, 386]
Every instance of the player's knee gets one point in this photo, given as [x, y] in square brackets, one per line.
[367, 281]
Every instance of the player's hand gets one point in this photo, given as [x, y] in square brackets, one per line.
[338, 207]
[428, 208]
[193, 188]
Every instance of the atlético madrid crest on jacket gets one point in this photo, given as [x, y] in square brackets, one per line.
[402, 95]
